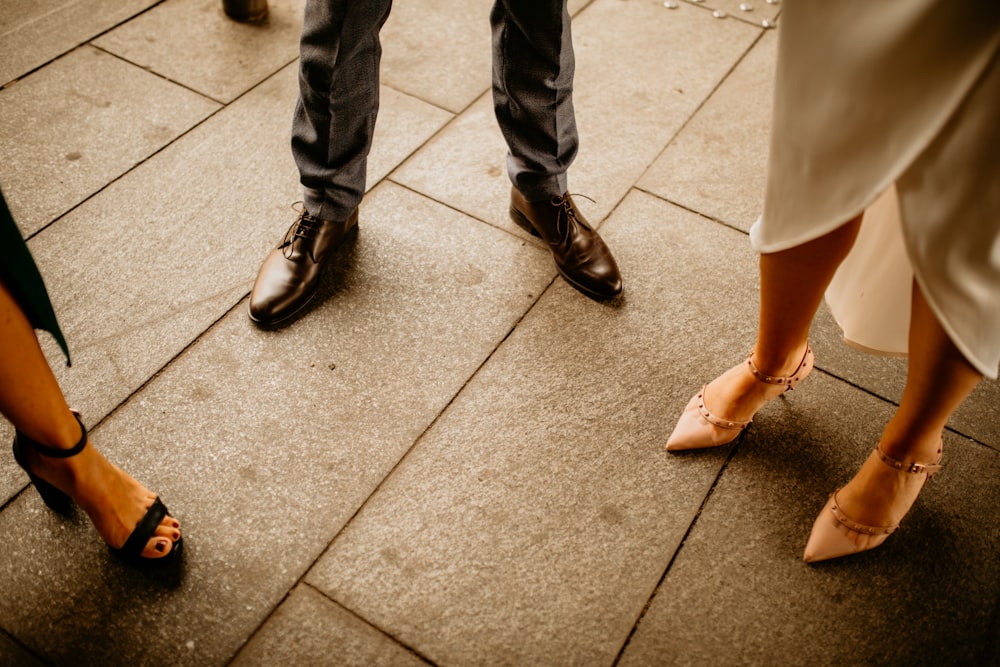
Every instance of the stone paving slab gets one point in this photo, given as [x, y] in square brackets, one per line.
[203, 273]
[624, 120]
[309, 629]
[404, 124]
[80, 123]
[439, 50]
[978, 417]
[738, 592]
[173, 261]
[202, 238]
[194, 43]
[33, 32]
[530, 524]
[264, 444]
[717, 165]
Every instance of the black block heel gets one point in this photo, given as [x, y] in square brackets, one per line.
[53, 497]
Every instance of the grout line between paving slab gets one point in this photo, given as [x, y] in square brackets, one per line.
[701, 105]
[677, 551]
[364, 620]
[24, 648]
[76, 46]
[186, 87]
[223, 106]
[399, 462]
[687, 208]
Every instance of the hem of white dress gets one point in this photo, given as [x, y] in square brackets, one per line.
[871, 350]
[980, 365]
[812, 234]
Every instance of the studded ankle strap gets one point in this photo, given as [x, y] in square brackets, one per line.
[915, 468]
[788, 380]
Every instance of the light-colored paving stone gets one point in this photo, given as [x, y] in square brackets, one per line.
[404, 123]
[134, 279]
[717, 165]
[258, 186]
[218, 200]
[449, 67]
[32, 32]
[446, 66]
[266, 443]
[80, 123]
[529, 525]
[738, 592]
[12, 479]
[194, 43]
[631, 96]
[308, 629]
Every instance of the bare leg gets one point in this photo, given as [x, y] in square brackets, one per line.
[792, 283]
[938, 380]
[31, 399]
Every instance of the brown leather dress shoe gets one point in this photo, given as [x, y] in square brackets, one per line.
[581, 255]
[290, 274]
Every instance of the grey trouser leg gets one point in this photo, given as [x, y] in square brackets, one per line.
[338, 101]
[533, 68]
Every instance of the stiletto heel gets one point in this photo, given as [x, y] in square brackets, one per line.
[698, 428]
[834, 534]
[60, 502]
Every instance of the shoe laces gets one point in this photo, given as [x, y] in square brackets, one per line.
[568, 213]
[304, 227]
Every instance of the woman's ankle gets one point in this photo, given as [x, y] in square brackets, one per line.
[778, 362]
[62, 433]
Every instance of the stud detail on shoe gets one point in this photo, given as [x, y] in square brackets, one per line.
[835, 534]
[789, 380]
[715, 421]
[698, 428]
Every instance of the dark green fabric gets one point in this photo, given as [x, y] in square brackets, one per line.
[21, 278]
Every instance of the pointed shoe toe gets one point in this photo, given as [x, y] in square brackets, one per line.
[828, 538]
[699, 429]
[834, 535]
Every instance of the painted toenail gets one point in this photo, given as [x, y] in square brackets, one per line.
[161, 546]
[177, 536]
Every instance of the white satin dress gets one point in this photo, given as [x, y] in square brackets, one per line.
[892, 107]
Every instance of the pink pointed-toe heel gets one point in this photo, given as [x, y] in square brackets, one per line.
[835, 534]
[698, 428]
